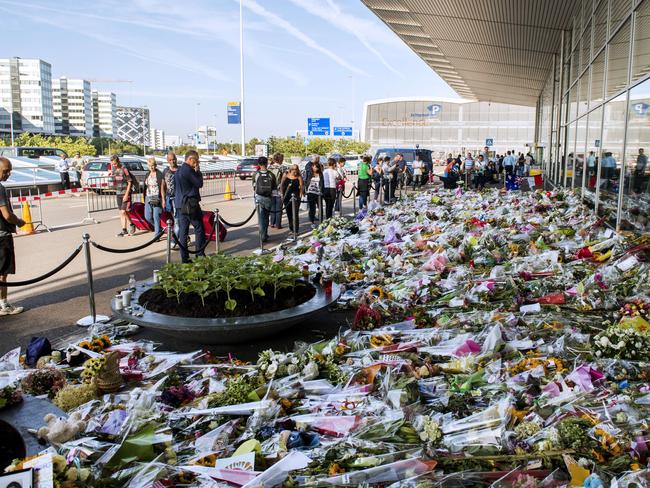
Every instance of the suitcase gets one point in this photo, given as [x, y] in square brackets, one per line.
[164, 217]
[208, 225]
[136, 214]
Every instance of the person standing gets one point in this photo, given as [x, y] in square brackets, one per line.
[363, 181]
[276, 199]
[639, 171]
[389, 178]
[479, 173]
[468, 169]
[188, 182]
[123, 181]
[292, 186]
[9, 221]
[417, 171]
[340, 185]
[377, 177]
[77, 165]
[309, 165]
[330, 182]
[608, 165]
[169, 186]
[264, 185]
[62, 166]
[154, 195]
[315, 188]
[400, 173]
[509, 163]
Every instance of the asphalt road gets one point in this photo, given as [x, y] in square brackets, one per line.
[53, 306]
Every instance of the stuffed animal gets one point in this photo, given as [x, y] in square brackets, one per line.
[60, 429]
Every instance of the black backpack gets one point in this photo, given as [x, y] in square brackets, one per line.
[264, 183]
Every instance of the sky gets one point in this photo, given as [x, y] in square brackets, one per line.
[302, 58]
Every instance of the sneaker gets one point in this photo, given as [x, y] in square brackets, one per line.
[122, 233]
[11, 310]
[132, 229]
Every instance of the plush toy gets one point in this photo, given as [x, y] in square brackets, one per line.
[60, 429]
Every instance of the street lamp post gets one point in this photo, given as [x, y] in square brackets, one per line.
[196, 124]
[214, 149]
[11, 106]
[241, 77]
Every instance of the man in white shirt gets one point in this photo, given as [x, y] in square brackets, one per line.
[509, 163]
[417, 171]
[62, 166]
[330, 179]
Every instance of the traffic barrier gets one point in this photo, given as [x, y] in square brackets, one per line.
[28, 228]
[29, 194]
[228, 194]
[44, 196]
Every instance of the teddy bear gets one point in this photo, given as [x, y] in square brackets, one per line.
[60, 429]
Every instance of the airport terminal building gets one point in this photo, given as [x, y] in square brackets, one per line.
[583, 66]
[447, 125]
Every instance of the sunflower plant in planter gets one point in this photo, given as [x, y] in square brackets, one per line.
[226, 286]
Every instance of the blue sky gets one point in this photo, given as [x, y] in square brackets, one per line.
[303, 58]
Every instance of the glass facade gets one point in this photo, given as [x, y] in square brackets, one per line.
[593, 115]
[448, 126]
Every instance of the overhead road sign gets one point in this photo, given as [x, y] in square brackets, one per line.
[234, 113]
[318, 126]
[342, 131]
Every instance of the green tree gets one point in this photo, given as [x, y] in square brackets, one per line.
[288, 146]
[70, 145]
[345, 146]
[250, 146]
[320, 146]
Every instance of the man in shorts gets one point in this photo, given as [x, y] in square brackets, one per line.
[8, 223]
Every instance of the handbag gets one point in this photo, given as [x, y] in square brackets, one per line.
[155, 201]
[190, 206]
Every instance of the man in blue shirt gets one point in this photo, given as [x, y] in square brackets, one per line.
[509, 163]
[188, 180]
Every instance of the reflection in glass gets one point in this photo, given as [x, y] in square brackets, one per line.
[593, 156]
[635, 212]
[612, 157]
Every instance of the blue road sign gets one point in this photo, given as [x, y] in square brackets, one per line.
[489, 142]
[342, 131]
[318, 126]
[234, 113]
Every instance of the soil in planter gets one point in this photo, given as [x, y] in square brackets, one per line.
[190, 304]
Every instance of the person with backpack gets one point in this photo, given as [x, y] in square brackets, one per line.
[264, 184]
[188, 182]
[125, 184]
[276, 200]
[154, 195]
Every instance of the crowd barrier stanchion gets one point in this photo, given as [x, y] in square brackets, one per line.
[320, 208]
[294, 211]
[339, 197]
[93, 318]
[355, 193]
[216, 224]
[170, 229]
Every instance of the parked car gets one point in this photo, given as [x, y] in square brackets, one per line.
[247, 168]
[408, 153]
[101, 168]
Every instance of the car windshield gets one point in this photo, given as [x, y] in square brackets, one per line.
[249, 162]
[97, 166]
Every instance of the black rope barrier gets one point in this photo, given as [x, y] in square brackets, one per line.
[238, 224]
[131, 249]
[354, 187]
[49, 273]
[205, 245]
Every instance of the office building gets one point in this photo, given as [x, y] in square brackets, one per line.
[157, 139]
[73, 107]
[104, 114]
[447, 125]
[132, 125]
[26, 96]
[173, 141]
[584, 65]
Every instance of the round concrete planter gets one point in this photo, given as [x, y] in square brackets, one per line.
[226, 330]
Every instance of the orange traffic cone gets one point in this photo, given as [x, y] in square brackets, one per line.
[228, 195]
[28, 228]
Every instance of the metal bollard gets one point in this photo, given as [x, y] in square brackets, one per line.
[216, 230]
[294, 211]
[170, 229]
[89, 274]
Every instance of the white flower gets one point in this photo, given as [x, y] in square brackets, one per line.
[604, 341]
[292, 369]
[310, 371]
[272, 369]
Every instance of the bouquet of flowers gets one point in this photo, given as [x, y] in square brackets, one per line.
[44, 381]
[10, 395]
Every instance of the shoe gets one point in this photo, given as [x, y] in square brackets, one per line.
[11, 310]
[132, 229]
[122, 233]
[265, 239]
[278, 227]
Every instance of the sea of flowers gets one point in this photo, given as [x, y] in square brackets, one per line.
[496, 339]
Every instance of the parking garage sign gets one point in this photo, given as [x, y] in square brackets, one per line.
[489, 142]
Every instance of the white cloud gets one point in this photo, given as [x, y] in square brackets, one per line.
[289, 28]
[366, 32]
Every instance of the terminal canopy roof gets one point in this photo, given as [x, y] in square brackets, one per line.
[489, 50]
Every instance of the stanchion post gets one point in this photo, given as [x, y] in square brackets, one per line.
[89, 275]
[294, 211]
[340, 199]
[259, 228]
[170, 229]
[320, 208]
[216, 229]
[354, 199]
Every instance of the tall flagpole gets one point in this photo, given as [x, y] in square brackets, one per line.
[241, 77]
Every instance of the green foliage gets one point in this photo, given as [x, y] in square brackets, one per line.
[287, 146]
[320, 146]
[107, 146]
[223, 273]
[70, 145]
[250, 146]
[345, 146]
